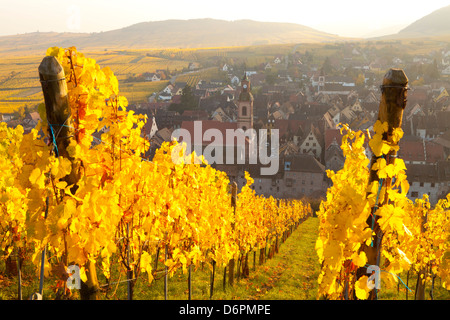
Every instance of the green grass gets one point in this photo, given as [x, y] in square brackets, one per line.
[400, 291]
[292, 273]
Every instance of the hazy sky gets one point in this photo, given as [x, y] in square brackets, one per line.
[353, 18]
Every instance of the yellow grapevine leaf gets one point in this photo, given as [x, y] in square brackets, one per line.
[385, 148]
[83, 275]
[380, 127]
[361, 288]
[359, 259]
[61, 184]
[379, 164]
[65, 165]
[376, 145]
[36, 177]
[399, 165]
[397, 134]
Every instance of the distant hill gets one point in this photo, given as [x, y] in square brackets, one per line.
[195, 33]
[393, 29]
[435, 24]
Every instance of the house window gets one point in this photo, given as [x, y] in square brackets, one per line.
[314, 144]
[310, 138]
[288, 182]
[414, 194]
[303, 181]
[432, 184]
[421, 184]
[244, 111]
[287, 166]
[307, 144]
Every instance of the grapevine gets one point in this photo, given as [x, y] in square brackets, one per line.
[407, 240]
[105, 201]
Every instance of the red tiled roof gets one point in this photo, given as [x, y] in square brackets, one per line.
[332, 134]
[291, 125]
[35, 116]
[206, 125]
[435, 152]
[417, 95]
[195, 113]
[304, 163]
[413, 150]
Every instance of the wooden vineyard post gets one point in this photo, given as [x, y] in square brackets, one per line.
[263, 253]
[166, 269]
[41, 278]
[245, 268]
[61, 133]
[233, 204]
[392, 104]
[407, 284]
[129, 270]
[54, 88]
[422, 275]
[213, 272]
[158, 249]
[190, 282]
[224, 278]
[19, 274]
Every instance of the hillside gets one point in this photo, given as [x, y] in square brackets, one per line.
[434, 24]
[171, 34]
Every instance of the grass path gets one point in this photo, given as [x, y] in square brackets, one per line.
[292, 273]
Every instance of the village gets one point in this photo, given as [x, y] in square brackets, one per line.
[307, 101]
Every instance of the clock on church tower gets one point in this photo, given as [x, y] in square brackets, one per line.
[245, 105]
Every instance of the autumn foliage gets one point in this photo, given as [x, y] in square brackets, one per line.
[414, 235]
[122, 205]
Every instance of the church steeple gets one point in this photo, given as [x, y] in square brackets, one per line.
[245, 105]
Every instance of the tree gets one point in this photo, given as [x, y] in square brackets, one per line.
[360, 80]
[21, 113]
[188, 101]
[271, 77]
[308, 58]
[327, 67]
[432, 70]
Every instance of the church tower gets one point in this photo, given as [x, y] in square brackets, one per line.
[245, 105]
